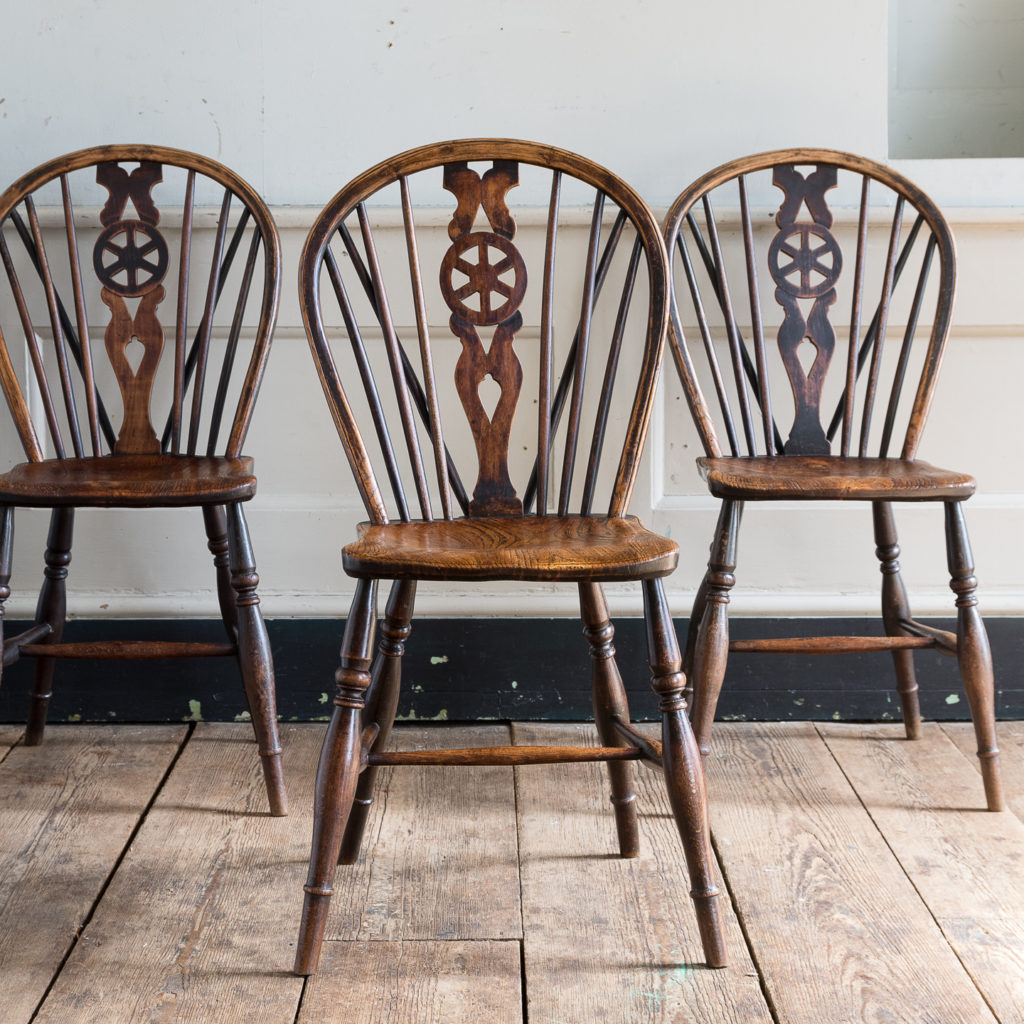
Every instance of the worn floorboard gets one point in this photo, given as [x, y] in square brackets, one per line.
[610, 940]
[199, 923]
[868, 886]
[67, 809]
[835, 924]
[386, 982]
[965, 862]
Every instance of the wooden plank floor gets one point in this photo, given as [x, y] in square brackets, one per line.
[141, 880]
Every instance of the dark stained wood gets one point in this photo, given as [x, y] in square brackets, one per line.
[838, 929]
[818, 478]
[138, 481]
[132, 465]
[67, 812]
[916, 276]
[965, 865]
[1011, 737]
[485, 285]
[529, 548]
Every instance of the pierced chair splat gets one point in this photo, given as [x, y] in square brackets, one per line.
[793, 402]
[110, 411]
[490, 394]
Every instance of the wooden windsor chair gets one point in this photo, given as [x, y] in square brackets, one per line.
[86, 414]
[403, 344]
[889, 263]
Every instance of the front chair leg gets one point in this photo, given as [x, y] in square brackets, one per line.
[381, 705]
[684, 771]
[711, 631]
[254, 658]
[973, 654]
[216, 523]
[609, 698]
[52, 609]
[895, 610]
[337, 774]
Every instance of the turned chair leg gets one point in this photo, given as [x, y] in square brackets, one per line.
[52, 609]
[6, 559]
[254, 658]
[684, 771]
[381, 705]
[216, 523]
[338, 773]
[895, 610]
[973, 654]
[710, 631]
[609, 698]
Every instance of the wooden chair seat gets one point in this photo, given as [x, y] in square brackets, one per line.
[810, 477]
[593, 548]
[130, 481]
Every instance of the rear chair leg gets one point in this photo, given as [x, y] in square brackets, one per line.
[609, 697]
[381, 705]
[711, 630]
[684, 772]
[254, 658]
[6, 558]
[51, 608]
[895, 609]
[216, 523]
[973, 654]
[338, 773]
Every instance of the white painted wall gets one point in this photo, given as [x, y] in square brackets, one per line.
[299, 97]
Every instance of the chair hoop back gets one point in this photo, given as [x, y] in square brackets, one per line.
[102, 247]
[460, 298]
[830, 251]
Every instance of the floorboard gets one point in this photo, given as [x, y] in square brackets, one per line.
[965, 862]
[143, 880]
[67, 809]
[834, 922]
[607, 939]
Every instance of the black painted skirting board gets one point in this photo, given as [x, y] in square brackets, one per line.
[522, 669]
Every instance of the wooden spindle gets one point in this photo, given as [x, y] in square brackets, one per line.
[86, 362]
[763, 392]
[608, 383]
[705, 335]
[368, 381]
[908, 340]
[16, 403]
[867, 345]
[32, 344]
[59, 347]
[547, 327]
[580, 364]
[855, 317]
[394, 358]
[731, 328]
[566, 376]
[213, 290]
[883, 306]
[426, 357]
[181, 323]
[231, 348]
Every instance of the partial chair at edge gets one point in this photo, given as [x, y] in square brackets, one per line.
[84, 412]
[404, 382]
[888, 263]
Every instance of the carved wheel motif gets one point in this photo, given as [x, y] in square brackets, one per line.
[484, 278]
[139, 254]
[812, 253]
